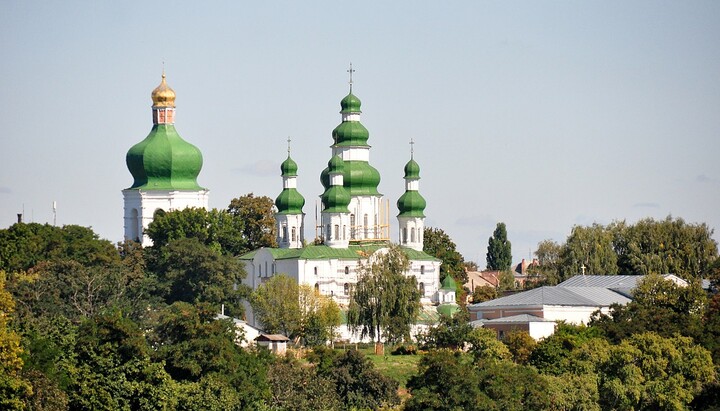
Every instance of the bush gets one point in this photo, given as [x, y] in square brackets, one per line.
[405, 350]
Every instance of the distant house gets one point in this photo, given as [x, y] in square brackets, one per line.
[276, 343]
[572, 301]
[243, 330]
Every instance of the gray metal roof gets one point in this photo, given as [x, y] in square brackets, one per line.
[605, 281]
[519, 319]
[568, 296]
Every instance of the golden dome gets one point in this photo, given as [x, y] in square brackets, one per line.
[163, 95]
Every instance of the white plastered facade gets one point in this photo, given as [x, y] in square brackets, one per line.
[140, 207]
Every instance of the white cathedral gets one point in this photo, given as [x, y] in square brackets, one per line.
[354, 218]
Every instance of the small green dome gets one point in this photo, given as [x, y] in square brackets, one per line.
[290, 201]
[448, 310]
[164, 161]
[336, 165]
[289, 168]
[412, 170]
[411, 204]
[350, 104]
[351, 133]
[448, 283]
[335, 199]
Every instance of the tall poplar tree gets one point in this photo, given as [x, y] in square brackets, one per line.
[499, 255]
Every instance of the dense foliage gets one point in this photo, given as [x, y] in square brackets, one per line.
[438, 244]
[646, 247]
[499, 254]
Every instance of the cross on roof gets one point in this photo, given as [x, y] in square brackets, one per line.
[288, 141]
[412, 147]
[351, 71]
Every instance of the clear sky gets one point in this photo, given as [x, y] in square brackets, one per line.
[539, 114]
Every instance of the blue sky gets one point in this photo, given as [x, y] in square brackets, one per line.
[539, 114]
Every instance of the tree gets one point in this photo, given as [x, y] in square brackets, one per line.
[13, 388]
[450, 333]
[191, 272]
[499, 254]
[666, 246]
[276, 303]
[520, 344]
[590, 247]
[547, 270]
[385, 302]
[439, 245]
[649, 372]
[319, 316]
[358, 384]
[484, 293]
[295, 386]
[220, 230]
[259, 218]
[23, 246]
[506, 281]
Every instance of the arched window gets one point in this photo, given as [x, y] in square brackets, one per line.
[317, 287]
[294, 235]
[337, 232]
[352, 226]
[315, 270]
[158, 213]
[346, 288]
[344, 232]
[135, 226]
[365, 224]
[404, 235]
[260, 270]
[422, 269]
[347, 270]
[422, 289]
[412, 235]
[327, 232]
[267, 273]
[284, 236]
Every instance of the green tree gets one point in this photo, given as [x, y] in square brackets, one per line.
[259, 218]
[484, 293]
[450, 333]
[547, 270]
[649, 372]
[220, 230]
[385, 302]
[506, 281]
[358, 384]
[590, 247]
[13, 388]
[295, 386]
[439, 245]
[276, 303]
[23, 246]
[520, 344]
[499, 254]
[666, 246]
[192, 272]
[319, 316]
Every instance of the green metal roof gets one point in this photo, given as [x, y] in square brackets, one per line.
[323, 252]
[412, 170]
[359, 178]
[411, 204]
[164, 161]
[448, 283]
[289, 167]
[350, 104]
[448, 309]
[351, 133]
[290, 201]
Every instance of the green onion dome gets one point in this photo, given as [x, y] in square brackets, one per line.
[290, 201]
[448, 309]
[350, 104]
[336, 199]
[359, 178]
[350, 133]
[412, 170]
[289, 168]
[448, 283]
[164, 161]
[411, 204]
